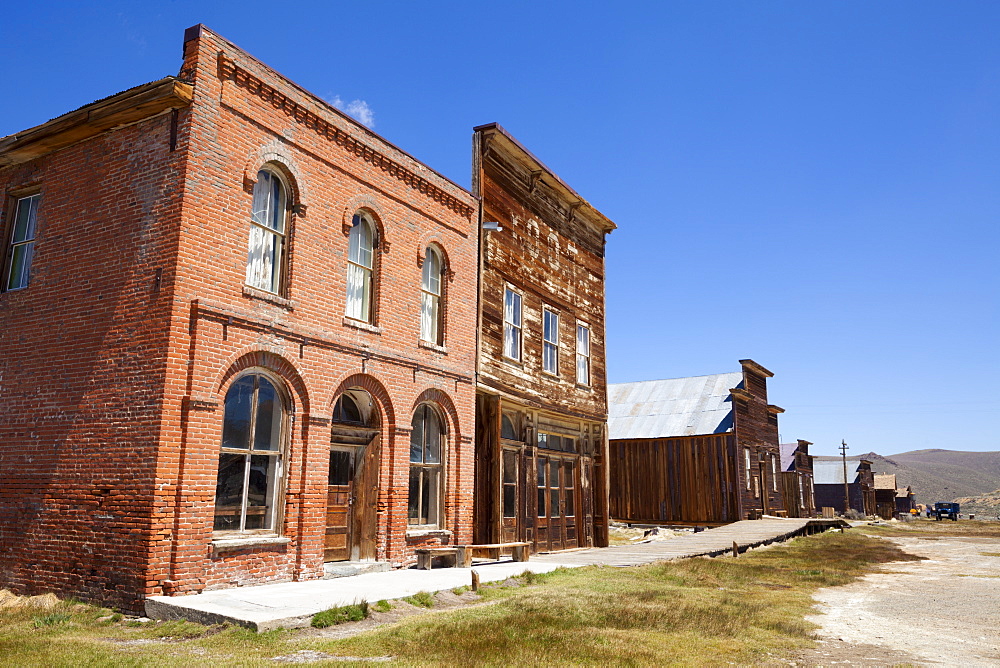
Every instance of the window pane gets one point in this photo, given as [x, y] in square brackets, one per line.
[268, 429]
[509, 501]
[276, 205]
[432, 438]
[261, 198]
[236, 423]
[543, 440]
[432, 272]
[359, 247]
[261, 258]
[431, 495]
[260, 491]
[570, 496]
[358, 292]
[24, 223]
[413, 508]
[507, 429]
[542, 487]
[20, 265]
[509, 466]
[429, 317]
[340, 468]
[229, 492]
[417, 436]
[554, 504]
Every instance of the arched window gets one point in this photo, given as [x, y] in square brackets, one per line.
[360, 268]
[253, 429]
[347, 410]
[430, 299]
[268, 221]
[426, 444]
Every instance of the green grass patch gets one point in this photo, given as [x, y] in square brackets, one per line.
[51, 619]
[340, 614]
[458, 591]
[382, 606]
[421, 599]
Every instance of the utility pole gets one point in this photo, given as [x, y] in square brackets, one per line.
[847, 494]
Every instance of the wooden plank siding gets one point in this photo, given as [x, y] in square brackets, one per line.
[684, 480]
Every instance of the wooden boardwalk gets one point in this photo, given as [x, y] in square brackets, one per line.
[709, 543]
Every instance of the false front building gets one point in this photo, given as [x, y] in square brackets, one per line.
[541, 403]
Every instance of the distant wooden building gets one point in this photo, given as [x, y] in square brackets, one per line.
[885, 495]
[541, 402]
[905, 500]
[700, 450]
[828, 482]
[797, 479]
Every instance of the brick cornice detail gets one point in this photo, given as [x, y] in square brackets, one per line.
[229, 70]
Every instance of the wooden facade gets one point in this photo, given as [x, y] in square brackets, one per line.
[541, 406]
[885, 495]
[797, 479]
[675, 480]
[700, 450]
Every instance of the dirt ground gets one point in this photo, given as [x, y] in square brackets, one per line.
[942, 611]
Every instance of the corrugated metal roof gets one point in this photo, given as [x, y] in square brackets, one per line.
[832, 472]
[674, 407]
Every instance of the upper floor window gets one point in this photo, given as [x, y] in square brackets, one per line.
[512, 324]
[253, 428]
[582, 354]
[22, 243]
[426, 443]
[430, 298]
[550, 341]
[268, 224]
[360, 268]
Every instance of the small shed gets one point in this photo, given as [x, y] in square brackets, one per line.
[905, 500]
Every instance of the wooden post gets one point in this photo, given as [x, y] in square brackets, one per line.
[475, 581]
[736, 549]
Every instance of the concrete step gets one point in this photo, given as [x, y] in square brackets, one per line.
[346, 569]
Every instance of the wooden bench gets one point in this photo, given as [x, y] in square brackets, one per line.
[460, 556]
[518, 551]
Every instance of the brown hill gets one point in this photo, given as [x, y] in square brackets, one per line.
[942, 475]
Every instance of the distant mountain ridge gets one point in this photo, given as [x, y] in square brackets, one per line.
[942, 475]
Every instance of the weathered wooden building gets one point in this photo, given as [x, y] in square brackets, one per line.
[885, 494]
[701, 450]
[541, 404]
[828, 482]
[797, 479]
[905, 500]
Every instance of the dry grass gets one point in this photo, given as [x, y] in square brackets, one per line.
[699, 611]
[928, 528]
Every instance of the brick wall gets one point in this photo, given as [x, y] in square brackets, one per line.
[82, 364]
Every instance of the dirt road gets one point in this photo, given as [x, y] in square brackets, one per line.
[942, 611]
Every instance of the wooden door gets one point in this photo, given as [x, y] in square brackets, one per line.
[510, 497]
[558, 504]
[364, 526]
[339, 499]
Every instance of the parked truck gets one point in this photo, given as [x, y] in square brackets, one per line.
[944, 510]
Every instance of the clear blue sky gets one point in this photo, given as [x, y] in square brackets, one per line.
[814, 185]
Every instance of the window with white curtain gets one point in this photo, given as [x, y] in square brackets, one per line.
[512, 325]
[430, 299]
[746, 466]
[360, 268]
[550, 341]
[267, 232]
[774, 472]
[22, 242]
[582, 354]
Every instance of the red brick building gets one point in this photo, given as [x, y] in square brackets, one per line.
[238, 340]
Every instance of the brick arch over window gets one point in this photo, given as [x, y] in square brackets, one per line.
[375, 389]
[444, 403]
[434, 241]
[277, 364]
[371, 206]
[279, 157]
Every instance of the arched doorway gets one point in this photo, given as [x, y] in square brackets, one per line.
[352, 479]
